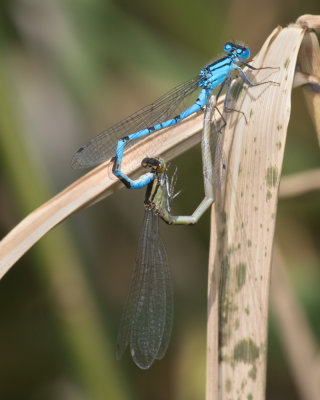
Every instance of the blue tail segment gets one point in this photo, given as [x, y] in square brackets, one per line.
[164, 113]
[197, 106]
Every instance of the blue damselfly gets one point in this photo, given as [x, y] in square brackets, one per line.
[165, 112]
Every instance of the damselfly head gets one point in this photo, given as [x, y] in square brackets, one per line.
[156, 164]
[237, 49]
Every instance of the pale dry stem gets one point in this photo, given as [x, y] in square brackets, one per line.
[254, 164]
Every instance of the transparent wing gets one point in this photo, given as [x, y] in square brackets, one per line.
[215, 168]
[147, 317]
[168, 322]
[103, 146]
[219, 159]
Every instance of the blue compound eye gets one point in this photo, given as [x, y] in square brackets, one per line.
[244, 53]
[227, 47]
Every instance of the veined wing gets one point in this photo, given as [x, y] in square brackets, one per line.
[164, 270]
[103, 146]
[146, 321]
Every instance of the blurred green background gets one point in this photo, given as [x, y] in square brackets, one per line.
[69, 69]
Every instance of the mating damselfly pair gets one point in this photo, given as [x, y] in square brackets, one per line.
[147, 318]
